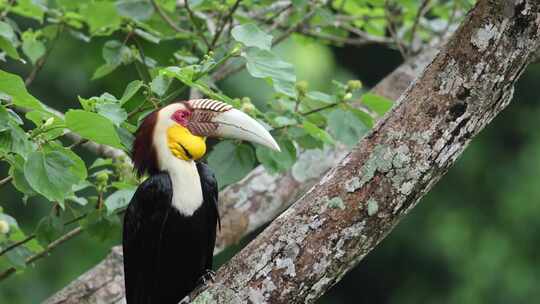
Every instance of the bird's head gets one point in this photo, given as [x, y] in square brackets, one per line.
[180, 130]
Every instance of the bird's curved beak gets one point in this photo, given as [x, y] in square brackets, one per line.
[236, 124]
[229, 123]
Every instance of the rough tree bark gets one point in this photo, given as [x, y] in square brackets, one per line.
[246, 205]
[336, 223]
[375, 185]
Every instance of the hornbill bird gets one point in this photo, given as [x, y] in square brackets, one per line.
[170, 224]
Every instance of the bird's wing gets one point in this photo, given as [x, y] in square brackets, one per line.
[145, 217]
[210, 195]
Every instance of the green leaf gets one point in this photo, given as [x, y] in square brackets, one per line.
[364, 117]
[100, 162]
[7, 32]
[93, 126]
[317, 132]
[100, 226]
[8, 47]
[103, 70]
[32, 47]
[139, 10]
[102, 17]
[147, 36]
[19, 180]
[30, 9]
[115, 53]
[320, 96]
[131, 89]
[126, 138]
[118, 200]
[17, 256]
[168, 5]
[78, 200]
[346, 127]
[231, 162]
[160, 84]
[13, 139]
[52, 174]
[377, 103]
[16, 235]
[250, 35]
[49, 228]
[113, 111]
[13, 86]
[265, 64]
[275, 161]
[5, 119]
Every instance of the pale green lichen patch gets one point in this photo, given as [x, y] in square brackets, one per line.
[372, 207]
[385, 159]
[204, 298]
[352, 185]
[381, 160]
[401, 157]
[421, 138]
[335, 203]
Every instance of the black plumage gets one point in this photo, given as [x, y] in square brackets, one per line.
[165, 252]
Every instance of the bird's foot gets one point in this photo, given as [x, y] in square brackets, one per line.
[209, 276]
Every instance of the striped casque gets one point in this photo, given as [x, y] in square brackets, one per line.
[202, 119]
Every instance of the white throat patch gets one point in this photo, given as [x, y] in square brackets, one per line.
[187, 192]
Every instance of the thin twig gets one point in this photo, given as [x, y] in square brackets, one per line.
[71, 234]
[166, 18]
[422, 10]
[33, 236]
[145, 74]
[17, 244]
[277, 17]
[223, 23]
[345, 40]
[194, 24]
[296, 27]
[328, 106]
[393, 33]
[59, 241]
[6, 180]
[41, 62]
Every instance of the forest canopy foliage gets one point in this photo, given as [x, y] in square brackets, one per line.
[177, 50]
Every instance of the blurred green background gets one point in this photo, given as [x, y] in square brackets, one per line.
[473, 239]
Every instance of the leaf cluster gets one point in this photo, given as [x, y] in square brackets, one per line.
[199, 43]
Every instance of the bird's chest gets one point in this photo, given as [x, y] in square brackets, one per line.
[187, 194]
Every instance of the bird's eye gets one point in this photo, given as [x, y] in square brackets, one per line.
[181, 117]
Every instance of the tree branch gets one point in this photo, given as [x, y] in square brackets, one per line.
[71, 234]
[331, 228]
[245, 206]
